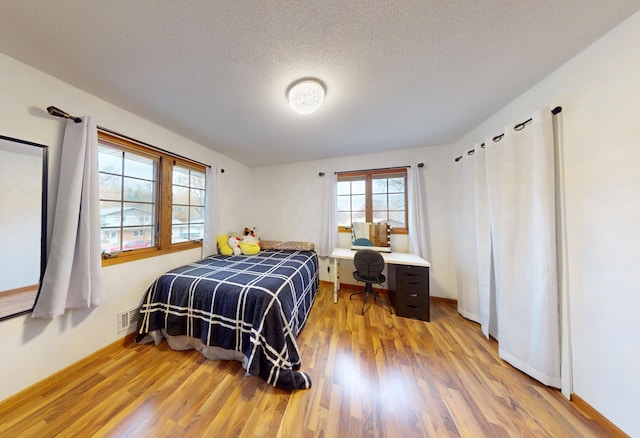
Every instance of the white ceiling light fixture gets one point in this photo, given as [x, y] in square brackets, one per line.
[306, 95]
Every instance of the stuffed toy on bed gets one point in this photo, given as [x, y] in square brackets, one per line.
[223, 245]
[234, 244]
[249, 243]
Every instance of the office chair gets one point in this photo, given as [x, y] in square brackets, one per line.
[369, 265]
[361, 241]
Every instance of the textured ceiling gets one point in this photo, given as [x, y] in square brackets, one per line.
[399, 74]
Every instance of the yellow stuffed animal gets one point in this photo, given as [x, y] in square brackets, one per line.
[223, 245]
[249, 244]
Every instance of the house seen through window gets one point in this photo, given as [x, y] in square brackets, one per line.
[150, 202]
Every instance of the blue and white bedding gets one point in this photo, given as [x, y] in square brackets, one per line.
[249, 308]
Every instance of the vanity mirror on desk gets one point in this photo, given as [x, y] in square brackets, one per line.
[368, 235]
[407, 279]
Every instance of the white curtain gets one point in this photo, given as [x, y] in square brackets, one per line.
[483, 251]
[465, 238]
[476, 291]
[417, 215]
[211, 216]
[566, 372]
[73, 275]
[506, 246]
[329, 237]
[520, 174]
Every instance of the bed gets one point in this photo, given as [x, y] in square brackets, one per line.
[245, 308]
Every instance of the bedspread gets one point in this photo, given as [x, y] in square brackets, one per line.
[254, 305]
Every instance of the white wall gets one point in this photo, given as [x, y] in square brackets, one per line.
[599, 91]
[33, 349]
[287, 205]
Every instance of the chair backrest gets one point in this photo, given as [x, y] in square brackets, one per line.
[361, 241]
[368, 263]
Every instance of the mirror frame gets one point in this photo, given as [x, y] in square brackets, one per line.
[43, 217]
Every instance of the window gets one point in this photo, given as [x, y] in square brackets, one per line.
[373, 196]
[151, 202]
[188, 204]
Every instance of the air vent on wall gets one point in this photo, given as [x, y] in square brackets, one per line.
[127, 319]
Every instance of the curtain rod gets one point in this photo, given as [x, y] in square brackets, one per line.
[371, 170]
[517, 127]
[59, 113]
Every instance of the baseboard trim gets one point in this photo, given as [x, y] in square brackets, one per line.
[451, 301]
[592, 412]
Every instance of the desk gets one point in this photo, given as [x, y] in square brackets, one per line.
[394, 258]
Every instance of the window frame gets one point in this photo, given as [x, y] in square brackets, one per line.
[164, 198]
[368, 176]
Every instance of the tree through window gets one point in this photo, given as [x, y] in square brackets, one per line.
[188, 204]
[373, 196]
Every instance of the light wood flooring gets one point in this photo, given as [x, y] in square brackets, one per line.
[376, 375]
[17, 300]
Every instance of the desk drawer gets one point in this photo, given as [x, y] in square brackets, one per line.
[411, 276]
[416, 298]
[412, 289]
[409, 290]
[415, 312]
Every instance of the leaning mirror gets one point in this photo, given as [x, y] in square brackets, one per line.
[367, 235]
[23, 178]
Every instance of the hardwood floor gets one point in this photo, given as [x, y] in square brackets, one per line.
[376, 375]
[17, 300]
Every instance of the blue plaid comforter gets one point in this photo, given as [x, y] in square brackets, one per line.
[255, 305]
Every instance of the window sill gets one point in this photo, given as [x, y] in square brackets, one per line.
[130, 256]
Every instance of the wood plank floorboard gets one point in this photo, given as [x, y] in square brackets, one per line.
[13, 302]
[376, 375]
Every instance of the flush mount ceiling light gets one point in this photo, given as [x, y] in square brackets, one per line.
[306, 95]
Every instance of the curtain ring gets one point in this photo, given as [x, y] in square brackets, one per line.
[520, 126]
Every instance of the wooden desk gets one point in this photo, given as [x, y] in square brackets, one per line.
[394, 258]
